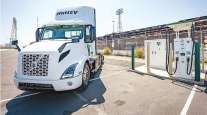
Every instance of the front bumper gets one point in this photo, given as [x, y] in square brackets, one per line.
[56, 85]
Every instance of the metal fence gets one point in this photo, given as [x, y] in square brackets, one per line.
[124, 43]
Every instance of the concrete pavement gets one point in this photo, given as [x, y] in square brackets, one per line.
[113, 91]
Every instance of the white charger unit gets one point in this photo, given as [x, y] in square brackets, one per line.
[157, 53]
[183, 51]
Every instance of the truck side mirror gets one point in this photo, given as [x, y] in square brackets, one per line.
[38, 34]
[88, 37]
[14, 42]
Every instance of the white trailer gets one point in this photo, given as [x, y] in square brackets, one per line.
[64, 56]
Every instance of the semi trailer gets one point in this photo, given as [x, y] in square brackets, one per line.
[64, 55]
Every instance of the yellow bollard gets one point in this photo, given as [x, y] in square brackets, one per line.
[148, 57]
[170, 61]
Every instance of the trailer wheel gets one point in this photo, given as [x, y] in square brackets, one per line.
[85, 77]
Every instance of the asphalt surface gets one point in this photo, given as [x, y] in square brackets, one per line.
[113, 91]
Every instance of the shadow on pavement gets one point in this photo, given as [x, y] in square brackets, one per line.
[58, 103]
[184, 85]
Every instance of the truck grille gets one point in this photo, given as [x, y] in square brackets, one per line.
[35, 64]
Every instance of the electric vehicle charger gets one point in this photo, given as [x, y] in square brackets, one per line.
[189, 59]
[168, 56]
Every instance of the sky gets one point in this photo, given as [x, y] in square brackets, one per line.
[137, 14]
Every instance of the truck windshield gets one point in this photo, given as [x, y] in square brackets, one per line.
[62, 33]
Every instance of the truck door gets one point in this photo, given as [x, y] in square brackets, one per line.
[90, 40]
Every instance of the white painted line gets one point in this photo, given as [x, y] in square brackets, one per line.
[189, 100]
[20, 97]
[4, 49]
[95, 79]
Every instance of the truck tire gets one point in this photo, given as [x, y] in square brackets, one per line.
[85, 77]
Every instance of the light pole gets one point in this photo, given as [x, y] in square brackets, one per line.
[112, 44]
[119, 12]
[113, 26]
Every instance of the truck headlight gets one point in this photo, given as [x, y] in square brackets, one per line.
[69, 72]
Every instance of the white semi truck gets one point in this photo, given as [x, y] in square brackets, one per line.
[64, 55]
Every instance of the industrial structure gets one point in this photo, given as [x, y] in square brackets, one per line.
[119, 12]
[123, 40]
[13, 35]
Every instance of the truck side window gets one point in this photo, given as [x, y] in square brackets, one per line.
[88, 37]
[48, 34]
[73, 33]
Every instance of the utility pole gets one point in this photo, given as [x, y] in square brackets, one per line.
[113, 26]
[37, 22]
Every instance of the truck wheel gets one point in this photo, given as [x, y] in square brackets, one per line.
[85, 76]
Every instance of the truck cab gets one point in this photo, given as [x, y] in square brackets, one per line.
[64, 55]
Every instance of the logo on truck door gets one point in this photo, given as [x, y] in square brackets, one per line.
[67, 12]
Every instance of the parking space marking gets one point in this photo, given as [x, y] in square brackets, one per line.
[94, 79]
[189, 100]
[4, 50]
[18, 97]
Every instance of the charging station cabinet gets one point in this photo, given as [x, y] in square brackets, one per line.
[183, 52]
[157, 53]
